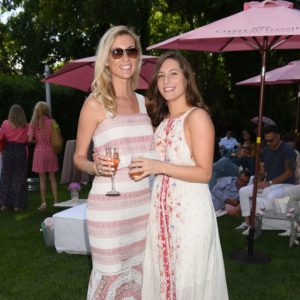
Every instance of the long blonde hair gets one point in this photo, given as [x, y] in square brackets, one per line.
[16, 115]
[41, 109]
[102, 88]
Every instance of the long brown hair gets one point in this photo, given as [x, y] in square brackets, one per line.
[158, 108]
[16, 115]
[40, 110]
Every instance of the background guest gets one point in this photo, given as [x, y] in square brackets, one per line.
[277, 172]
[247, 137]
[228, 144]
[44, 158]
[2, 144]
[13, 187]
[226, 191]
[245, 157]
[222, 168]
[291, 140]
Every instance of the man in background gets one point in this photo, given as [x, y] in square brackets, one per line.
[277, 172]
[226, 191]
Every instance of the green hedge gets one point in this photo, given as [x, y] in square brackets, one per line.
[27, 90]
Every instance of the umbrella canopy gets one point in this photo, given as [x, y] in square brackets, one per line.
[79, 73]
[284, 75]
[289, 74]
[244, 30]
[260, 26]
[266, 120]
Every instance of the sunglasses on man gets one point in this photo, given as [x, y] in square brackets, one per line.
[117, 53]
[270, 141]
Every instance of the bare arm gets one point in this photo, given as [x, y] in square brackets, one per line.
[91, 114]
[281, 178]
[199, 133]
[288, 173]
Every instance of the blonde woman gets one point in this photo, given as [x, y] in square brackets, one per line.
[44, 159]
[13, 188]
[115, 116]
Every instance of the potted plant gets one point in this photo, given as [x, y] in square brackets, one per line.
[74, 188]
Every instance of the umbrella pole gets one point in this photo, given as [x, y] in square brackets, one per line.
[47, 87]
[297, 112]
[250, 256]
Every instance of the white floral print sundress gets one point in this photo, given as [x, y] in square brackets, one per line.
[183, 258]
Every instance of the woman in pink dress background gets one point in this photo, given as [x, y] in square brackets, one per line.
[13, 188]
[44, 159]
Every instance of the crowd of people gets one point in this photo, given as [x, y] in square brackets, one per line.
[155, 235]
[232, 162]
[15, 136]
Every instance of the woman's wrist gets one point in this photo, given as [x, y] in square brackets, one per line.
[90, 168]
[96, 171]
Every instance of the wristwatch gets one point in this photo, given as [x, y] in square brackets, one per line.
[270, 182]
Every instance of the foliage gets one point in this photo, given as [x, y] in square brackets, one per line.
[27, 90]
[53, 32]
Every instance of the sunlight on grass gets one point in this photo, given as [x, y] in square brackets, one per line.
[23, 216]
[36, 271]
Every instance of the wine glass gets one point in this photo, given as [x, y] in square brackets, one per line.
[136, 171]
[113, 154]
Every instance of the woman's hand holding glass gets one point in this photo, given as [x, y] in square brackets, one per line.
[107, 165]
[112, 154]
[104, 165]
[141, 167]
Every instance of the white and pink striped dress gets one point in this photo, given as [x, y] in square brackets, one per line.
[117, 225]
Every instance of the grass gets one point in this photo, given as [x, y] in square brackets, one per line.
[32, 271]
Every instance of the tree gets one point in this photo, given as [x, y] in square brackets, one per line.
[53, 32]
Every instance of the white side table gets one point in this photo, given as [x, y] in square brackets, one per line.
[70, 203]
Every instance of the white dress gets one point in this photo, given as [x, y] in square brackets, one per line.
[183, 257]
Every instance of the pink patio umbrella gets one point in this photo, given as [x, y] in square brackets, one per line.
[261, 26]
[289, 74]
[78, 74]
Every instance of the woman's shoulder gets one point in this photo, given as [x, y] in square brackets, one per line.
[92, 102]
[198, 118]
[5, 123]
[49, 120]
[94, 109]
[197, 113]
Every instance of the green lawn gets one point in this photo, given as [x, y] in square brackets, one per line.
[32, 271]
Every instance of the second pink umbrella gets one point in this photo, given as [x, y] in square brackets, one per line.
[78, 74]
[288, 74]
